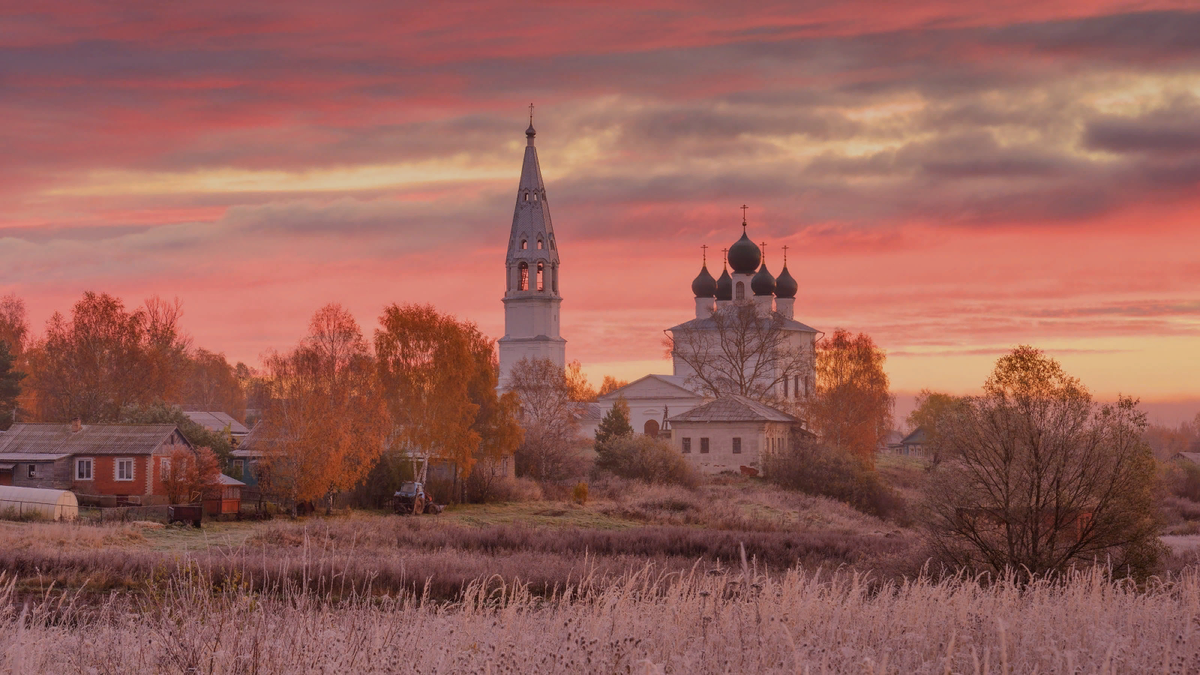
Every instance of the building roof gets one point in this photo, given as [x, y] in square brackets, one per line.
[709, 324]
[678, 386]
[1193, 457]
[229, 480]
[48, 441]
[588, 412]
[217, 421]
[733, 409]
[917, 437]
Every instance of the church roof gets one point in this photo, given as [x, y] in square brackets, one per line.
[733, 409]
[675, 387]
[710, 324]
[531, 216]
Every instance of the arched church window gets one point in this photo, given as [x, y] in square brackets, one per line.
[739, 294]
[526, 196]
[540, 245]
[541, 279]
[523, 284]
[535, 196]
[797, 386]
[554, 277]
[785, 386]
[524, 244]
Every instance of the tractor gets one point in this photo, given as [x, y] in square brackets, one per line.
[412, 499]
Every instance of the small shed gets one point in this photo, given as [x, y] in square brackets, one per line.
[226, 498]
[49, 504]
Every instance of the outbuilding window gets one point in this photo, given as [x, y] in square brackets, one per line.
[164, 469]
[124, 469]
[687, 445]
[33, 470]
[83, 469]
[737, 446]
[704, 446]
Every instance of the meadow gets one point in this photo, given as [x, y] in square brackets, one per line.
[734, 577]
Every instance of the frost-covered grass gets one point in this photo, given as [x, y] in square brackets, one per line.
[739, 621]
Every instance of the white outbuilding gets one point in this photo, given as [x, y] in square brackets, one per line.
[49, 504]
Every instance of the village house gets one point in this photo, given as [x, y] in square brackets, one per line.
[125, 461]
[732, 433]
[219, 422]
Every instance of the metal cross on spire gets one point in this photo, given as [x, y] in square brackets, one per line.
[744, 207]
[785, 248]
[725, 258]
[530, 114]
[704, 254]
[764, 252]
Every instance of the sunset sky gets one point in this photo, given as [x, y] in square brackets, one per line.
[953, 178]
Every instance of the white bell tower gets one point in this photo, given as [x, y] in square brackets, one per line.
[531, 297]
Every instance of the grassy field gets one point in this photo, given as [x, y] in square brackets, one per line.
[736, 576]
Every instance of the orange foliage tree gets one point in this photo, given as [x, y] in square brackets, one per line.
[326, 423]
[851, 408]
[105, 358]
[212, 384]
[190, 474]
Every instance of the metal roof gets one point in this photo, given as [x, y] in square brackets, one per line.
[917, 437]
[229, 480]
[710, 324]
[59, 440]
[217, 421]
[733, 409]
[1193, 457]
[30, 457]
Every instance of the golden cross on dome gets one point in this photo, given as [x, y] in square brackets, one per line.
[785, 248]
[530, 114]
[725, 256]
[744, 207]
[704, 254]
[764, 251]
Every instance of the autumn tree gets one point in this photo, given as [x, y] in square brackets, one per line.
[497, 421]
[1037, 476]
[326, 423]
[738, 351]
[10, 387]
[210, 383]
[851, 408]
[931, 409]
[611, 384]
[14, 324]
[191, 475]
[104, 358]
[548, 416]
[426, 368]
[580, 389]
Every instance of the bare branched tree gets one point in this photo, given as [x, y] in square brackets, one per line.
[739, 351]
[1036, 476]
[548, 416]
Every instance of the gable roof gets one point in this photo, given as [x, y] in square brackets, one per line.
[917, 437]
[676, 387]
[57, 440]
[217, 421]
[1193, 457]
[733, 409]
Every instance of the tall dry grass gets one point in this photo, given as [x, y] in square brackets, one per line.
[742, 622]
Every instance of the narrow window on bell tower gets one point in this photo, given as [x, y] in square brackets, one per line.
[524, 244]
[523, 284]
[740, 293]
[541, 277]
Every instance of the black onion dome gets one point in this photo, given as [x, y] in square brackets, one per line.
[705, 286]
[725, 286]
[744, 256]
[763, 283]
[785, 285]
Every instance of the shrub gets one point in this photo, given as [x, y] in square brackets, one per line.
[580, 493]
[818, 469]
[645, 458]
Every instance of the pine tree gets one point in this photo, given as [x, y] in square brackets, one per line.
[10, 387]
[615, 423]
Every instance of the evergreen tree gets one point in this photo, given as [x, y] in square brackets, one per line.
[615, 423]
[10, 387]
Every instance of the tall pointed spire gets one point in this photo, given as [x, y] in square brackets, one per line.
[531, 296]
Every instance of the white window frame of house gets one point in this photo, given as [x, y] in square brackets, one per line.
[737, 445]
[81, 462]
[687, 445]
[704, 446]
[117, 466]
[164, 469]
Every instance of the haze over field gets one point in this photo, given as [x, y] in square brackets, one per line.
[951, 178]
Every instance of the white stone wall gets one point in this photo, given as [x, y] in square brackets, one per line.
[758, 438]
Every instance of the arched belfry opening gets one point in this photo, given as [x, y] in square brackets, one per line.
[523, 277]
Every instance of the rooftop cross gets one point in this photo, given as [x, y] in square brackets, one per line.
[725, 257]
[530, 114]
[785, 248]
[764, 252]
[704, 254]
[744, 207]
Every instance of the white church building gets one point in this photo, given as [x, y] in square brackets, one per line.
[531, 318]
